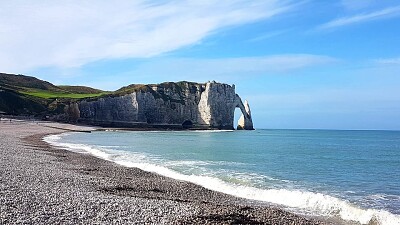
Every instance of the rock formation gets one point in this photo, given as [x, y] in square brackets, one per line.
[72, 111]
[245, 122]
[183, 104]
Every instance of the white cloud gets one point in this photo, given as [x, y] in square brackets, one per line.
[360, 18]
[72, 33]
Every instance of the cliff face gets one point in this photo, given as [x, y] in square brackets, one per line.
[170, 105]
[183, 104]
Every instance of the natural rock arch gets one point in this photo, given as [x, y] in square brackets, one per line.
[245, 121]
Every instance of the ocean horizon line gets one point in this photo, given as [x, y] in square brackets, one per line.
[327, 129]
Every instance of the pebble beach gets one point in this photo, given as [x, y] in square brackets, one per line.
[41, 184]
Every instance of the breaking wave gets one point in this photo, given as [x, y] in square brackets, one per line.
[316, 203]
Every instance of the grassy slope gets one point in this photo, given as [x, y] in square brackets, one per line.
[31, 86]
[81, 89]
[21, 94]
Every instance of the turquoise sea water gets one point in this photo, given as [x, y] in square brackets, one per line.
[354, 175]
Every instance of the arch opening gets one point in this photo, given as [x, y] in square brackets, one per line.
[187, 124]
[237, 114]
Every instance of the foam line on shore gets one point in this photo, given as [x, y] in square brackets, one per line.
[317, 203]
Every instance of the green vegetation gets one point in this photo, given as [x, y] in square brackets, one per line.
[51, 94]
[133, 88]
[157, 90]
[32, 86]
[13, 103]
[80, 89]
[27, 95]
[20, 82]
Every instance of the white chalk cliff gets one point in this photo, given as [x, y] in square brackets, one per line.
[184, 104]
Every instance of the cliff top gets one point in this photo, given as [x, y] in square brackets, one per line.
[30, 91]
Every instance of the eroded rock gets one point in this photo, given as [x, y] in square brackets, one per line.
[182, 104]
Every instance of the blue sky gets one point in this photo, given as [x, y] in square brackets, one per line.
[300, 64]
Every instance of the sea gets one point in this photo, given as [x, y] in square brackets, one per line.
[350, 175]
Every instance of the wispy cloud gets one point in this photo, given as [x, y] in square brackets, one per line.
[360, 18]
[228, 70]
[223, 69]
[67, 33]
[268, 35]
[388, 61]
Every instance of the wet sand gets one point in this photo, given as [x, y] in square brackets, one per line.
[41, 184]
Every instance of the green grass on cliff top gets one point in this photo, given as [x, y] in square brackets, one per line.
[50, 94]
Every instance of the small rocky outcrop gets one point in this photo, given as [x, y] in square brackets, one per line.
[72, 110]
[176, 105]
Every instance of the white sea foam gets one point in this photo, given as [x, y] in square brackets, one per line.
[304, 200]
[52, 139]
[201, 163]
[318, 203]
[383, 197]
[80, 148]
[188, 163]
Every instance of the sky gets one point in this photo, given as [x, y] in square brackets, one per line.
[301, 64]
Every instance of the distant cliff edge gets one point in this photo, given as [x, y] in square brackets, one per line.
[175, 105]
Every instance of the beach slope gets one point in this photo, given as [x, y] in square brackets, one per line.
[40, 184]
